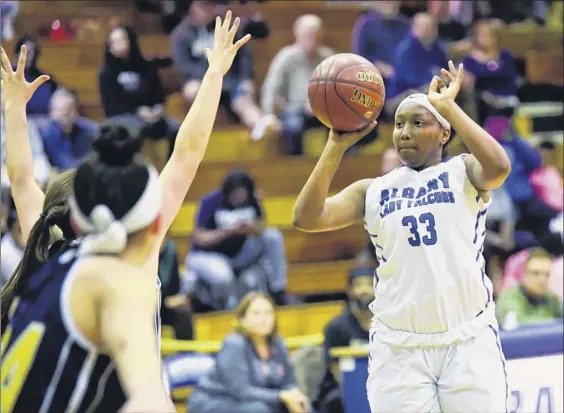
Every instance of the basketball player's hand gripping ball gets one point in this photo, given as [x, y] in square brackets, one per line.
[220, 57]
[15, 88]
[347, 139]
[443, 91]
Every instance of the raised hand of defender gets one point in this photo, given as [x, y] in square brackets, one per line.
[221, 56]
[444, 90]
[14, 86]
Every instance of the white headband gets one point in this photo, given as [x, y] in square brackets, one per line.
[105, 234]
[421, 99]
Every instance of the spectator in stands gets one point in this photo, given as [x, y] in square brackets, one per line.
[418, 58]
[130, 87]
[41, 166]
[252, 371]
[12, 246]
[547, 179]
[531, 301]
[552, 243]
[38, 106]
[492, 73]
[349, 329]
[377, 33]
[175, 306]
[9, 13]
[285, 87]
[189, 41]
[534, 213]
[230, 238]
[451, 31]
[67, 137]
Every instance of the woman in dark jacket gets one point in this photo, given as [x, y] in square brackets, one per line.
[130, 86]
[252, 371]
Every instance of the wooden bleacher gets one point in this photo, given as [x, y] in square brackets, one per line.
[298, 320]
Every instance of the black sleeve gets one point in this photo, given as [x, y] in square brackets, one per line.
[189, 66]
[158, 94]
[114, 99]
[334, 337]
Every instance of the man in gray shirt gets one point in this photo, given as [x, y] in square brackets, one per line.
[188, 42]
[285, 87]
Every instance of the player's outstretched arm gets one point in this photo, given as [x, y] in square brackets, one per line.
[194, 133]
[27, 195]
[314, 211]
[489, 165]
[126, 314]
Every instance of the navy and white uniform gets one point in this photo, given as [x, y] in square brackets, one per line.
[434, 336]
[47, 364]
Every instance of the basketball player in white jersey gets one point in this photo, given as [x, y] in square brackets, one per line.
[434, 337]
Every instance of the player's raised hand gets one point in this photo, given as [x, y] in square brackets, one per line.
[15, 88]
[347, 139]
[221, 56]
[443, 90]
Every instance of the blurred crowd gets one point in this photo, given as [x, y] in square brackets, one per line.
[233, 251]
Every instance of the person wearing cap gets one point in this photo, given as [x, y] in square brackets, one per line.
[348, 329]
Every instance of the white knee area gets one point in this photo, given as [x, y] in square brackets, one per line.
[272, 236]
[221, 270]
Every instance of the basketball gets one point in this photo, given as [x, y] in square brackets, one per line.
[346, 92]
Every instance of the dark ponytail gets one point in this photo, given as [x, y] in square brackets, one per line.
[37, 249]
[114, 176]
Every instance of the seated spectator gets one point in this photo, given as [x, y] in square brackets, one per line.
[349, 329]
[230, 239]
[547, 179]
[41, 166]
[9, 13]
[417, 58]
[377, 33]
[450, 30]
[492, 72]
[12, 246]
[531, 301]
[175, 306]
[130, 86]
[38, 106]
[67, 137]
[188, 43]
[534, 215]
[285, 87]
[252, 371]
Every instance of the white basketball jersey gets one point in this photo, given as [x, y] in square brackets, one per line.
[428, 229]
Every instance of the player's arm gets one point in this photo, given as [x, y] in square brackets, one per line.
[488, 165]
[126, 316]
[27, 194]
[314, 211]
[194, 133]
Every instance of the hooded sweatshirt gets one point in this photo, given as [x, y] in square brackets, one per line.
[127, 84]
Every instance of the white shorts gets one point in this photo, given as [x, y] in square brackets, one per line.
[466, 377]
